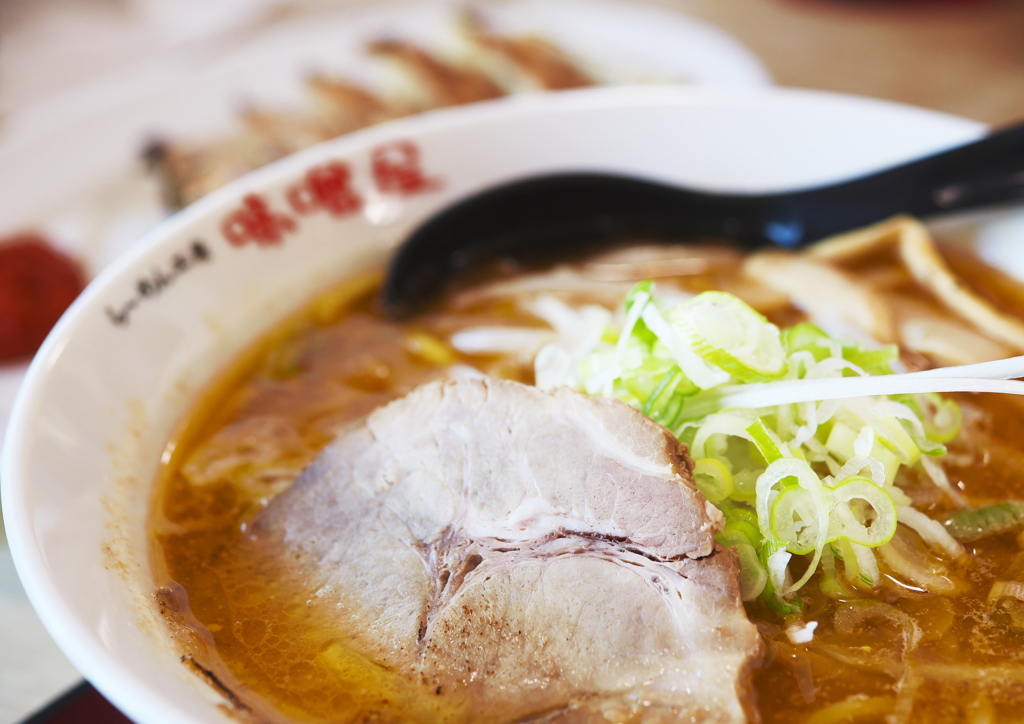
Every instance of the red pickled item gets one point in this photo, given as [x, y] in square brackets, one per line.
[37, 283]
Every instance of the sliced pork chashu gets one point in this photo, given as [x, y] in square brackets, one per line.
[538, 555]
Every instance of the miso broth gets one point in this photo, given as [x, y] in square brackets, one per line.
[894, 650]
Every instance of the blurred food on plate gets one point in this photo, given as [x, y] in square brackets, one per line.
[37, 283]
[489, 65]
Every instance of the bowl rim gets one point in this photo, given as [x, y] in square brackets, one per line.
[81, 644]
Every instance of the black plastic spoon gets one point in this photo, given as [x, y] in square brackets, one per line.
[571, 213]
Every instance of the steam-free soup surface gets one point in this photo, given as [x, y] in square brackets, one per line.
[895, 650]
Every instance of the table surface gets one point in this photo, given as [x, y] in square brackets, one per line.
[964, 58]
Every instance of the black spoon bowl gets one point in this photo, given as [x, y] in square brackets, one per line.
[572, 213]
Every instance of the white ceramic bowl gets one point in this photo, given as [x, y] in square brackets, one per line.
[127, 360]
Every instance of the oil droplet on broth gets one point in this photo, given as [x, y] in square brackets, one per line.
[302, 675]
[252, 633]
[371, 686]
[353, 667]
[249, 595]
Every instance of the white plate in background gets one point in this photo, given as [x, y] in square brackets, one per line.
[70, 165]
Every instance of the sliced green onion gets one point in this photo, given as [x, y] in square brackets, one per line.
[753, 576]
[750, 532]
[730, 424]
[665, 386]
[713, 479]
[873, 361]
[729, 334]
[744, 485]
[842, 440]
[743, 522]
[940, 417]
[766, 441]
[711, 370]
[932, 532]
[770, 594]
[860, 563]
[917, 569]
[849, 525]
[938, 476]
[807, 479]
[636, 301]
[794, 520]
[702, 373]
[973, 524]
[892, 436]
[806, 337]
[912, 426]
[830, 584]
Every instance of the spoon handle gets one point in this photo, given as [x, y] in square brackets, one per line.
[987, 171]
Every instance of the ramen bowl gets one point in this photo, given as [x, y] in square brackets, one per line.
[127, 361]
